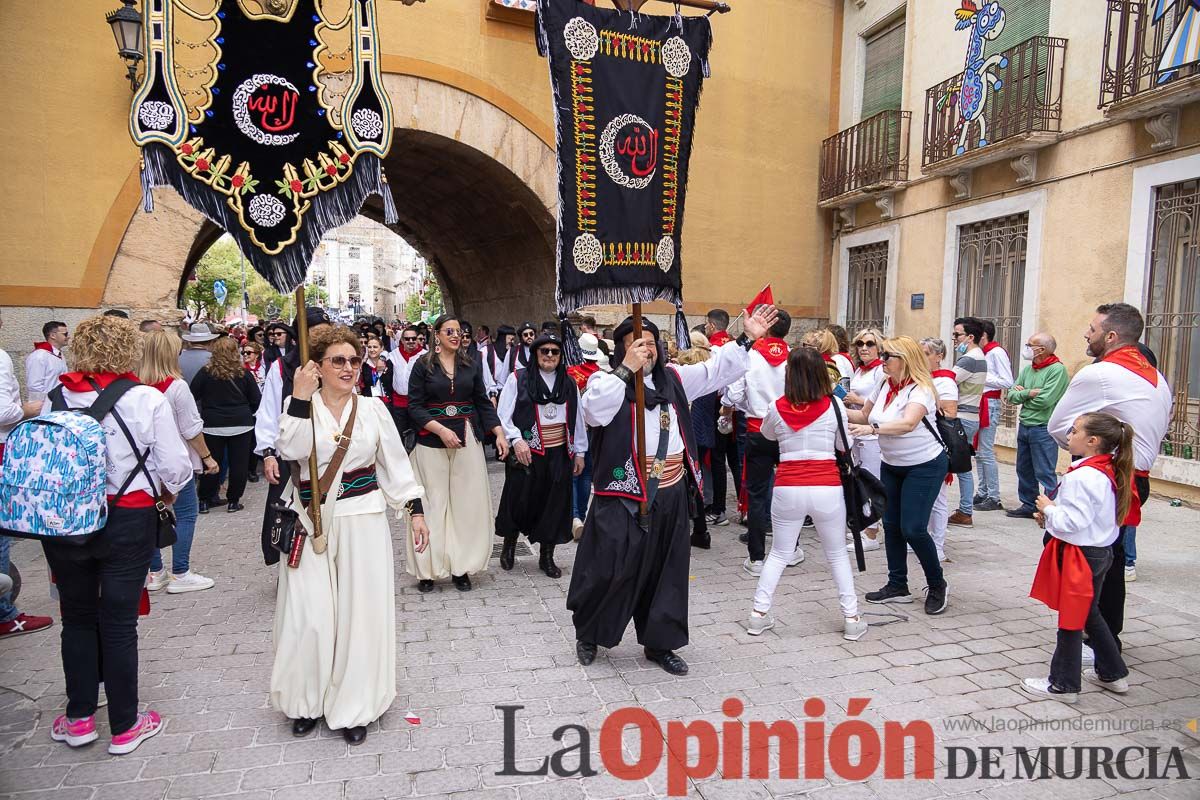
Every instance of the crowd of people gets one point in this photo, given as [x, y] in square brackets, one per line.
[402, 417]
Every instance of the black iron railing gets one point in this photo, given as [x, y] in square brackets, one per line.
[1021, 94]
[872, 153]
[1133, 49]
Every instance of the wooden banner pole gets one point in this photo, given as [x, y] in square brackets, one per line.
[314, 506]
[639, 396]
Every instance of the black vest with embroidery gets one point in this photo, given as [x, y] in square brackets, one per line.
[526, 420]
[614, 447]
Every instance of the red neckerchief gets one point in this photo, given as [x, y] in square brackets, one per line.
[581, 372]
[868, 367]
[1050, 359]
[1066, 589]
[164, 383]
[775, 351]
[1100, 462]
[81, 381]
[845, 356]
[989, 347]
[803, 415]
[894, 389]
[49, 348]
[408, 357]
[719, 338]
[1132, 359]
[944, 373]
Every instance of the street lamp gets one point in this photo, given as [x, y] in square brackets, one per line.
[126, 24]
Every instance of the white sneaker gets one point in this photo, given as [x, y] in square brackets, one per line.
[855, 629]
[869, 544]
[157, 580]
[1130, 574]
[576, 529]
[1119, 686]
[1040, 688]
[797, 557]
[758, 624]
[189, 582]
[942, 556]
[1089, 656]
[752, 568]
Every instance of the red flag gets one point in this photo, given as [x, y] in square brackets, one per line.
[765, 297]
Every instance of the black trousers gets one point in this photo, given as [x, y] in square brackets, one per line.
[100, 585]
[762, 455]
[274, 495]
[727, 452]
[1112, 592]
[1066, 664]
[537, 502]
[238, 449]
[623, 572]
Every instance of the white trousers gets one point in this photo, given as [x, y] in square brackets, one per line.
[458, 511]
[827, 507]
[939, 519]
[335, 627]
[868, 457]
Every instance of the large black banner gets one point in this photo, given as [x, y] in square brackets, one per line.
[626, 87]
[268, 116]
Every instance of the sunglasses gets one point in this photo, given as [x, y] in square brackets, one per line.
[453, 333]
[274, 334]
[549, 351]
[861, 343]
[957, 335]
[249, 353]
[340, 362]
[885, 355]
[408, 339]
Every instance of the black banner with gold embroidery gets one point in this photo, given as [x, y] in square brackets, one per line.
[626, 88]
[268, 116]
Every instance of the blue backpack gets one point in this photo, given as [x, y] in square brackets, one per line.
[54, 478]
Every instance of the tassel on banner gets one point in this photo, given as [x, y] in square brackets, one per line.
[683, 337]
[147, 189]
[572, 352]
[390, 215]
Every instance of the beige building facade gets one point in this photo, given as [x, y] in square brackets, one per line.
[1079, 187]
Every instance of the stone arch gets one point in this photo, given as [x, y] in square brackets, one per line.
[476, 190]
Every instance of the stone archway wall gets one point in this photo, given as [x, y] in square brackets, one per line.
[477, 195]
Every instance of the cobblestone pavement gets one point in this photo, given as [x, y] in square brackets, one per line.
[206, 658]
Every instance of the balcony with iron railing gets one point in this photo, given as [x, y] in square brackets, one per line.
[871, 156]
[1138, 76]
[1011, 105]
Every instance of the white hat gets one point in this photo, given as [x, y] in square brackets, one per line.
[590, 346]
[199, 332]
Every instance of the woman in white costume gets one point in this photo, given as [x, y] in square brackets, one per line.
[335, 613]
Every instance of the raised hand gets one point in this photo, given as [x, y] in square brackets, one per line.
[758, 324]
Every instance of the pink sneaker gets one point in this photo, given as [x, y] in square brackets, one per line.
[77, 733]
[148, 724]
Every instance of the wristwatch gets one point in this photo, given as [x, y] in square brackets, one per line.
[875, 425]
[269, 452]
[746, 342]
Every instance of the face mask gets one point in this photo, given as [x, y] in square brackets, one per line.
[1027, 353]
[961, 349]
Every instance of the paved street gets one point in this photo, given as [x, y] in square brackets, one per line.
[206, 659]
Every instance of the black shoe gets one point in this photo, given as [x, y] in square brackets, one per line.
[668, 660]
[508, 553]
[936, 599]
[424, 587]
[203, 506]
[252, 477]
[462, 582]
[546, 562]
[234, 507]
[702, 542]
[988, 504]
[304, 726]
[355, 735]
[585, 652]
[744, 538]
[1020, 513]
[889, 594]
[217, 501]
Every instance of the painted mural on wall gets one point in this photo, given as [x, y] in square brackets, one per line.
[970, 95]
[1183, 46]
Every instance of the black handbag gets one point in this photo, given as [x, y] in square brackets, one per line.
[281, 524]
[951, 435]
[864, 493]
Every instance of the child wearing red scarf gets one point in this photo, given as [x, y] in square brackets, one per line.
[1081, 524]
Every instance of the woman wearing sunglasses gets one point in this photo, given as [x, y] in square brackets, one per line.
[914, 463]
[868, 374]
[450, 410]
[335, 618]
[252, 359]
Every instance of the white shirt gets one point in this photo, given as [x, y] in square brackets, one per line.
[756, 393]
[844, 365]
[606, 392]
[187, 416]
[947, 389]
[1000, 374]
[493, 380]
[814, 442]
[549, 414]
[912, 448]
[42, 369]
[266, 418]
[401, 369]
[148, 416]
[1111, 388]
[10, 397]
[1085, 509]
[863, 384]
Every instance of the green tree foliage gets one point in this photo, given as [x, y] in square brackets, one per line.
[224, 262]
[434, 306]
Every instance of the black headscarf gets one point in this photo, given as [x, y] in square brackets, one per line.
[500, 342]
[272, 351]
[535, 386]
[468, 339]
[656, 396]
[523, 358]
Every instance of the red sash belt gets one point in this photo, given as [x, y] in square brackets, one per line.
[753, 424]
[673, 469]
[400, 401]
[808, 473]
[1066, 589]
[554, 435]
[138, 499]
